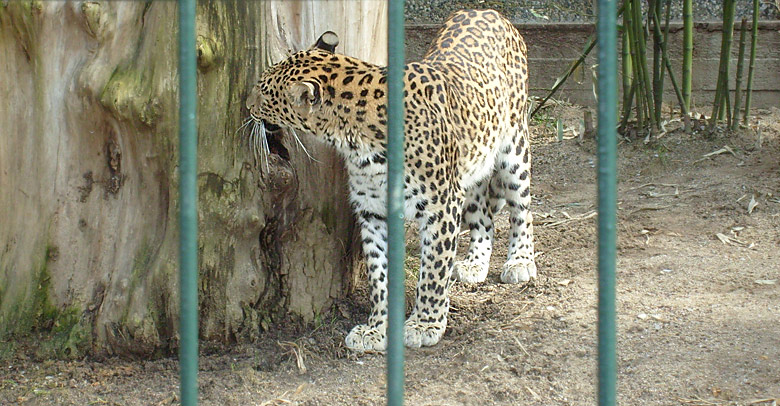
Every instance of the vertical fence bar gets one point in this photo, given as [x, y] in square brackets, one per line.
[395, 203]
[188, 198]
[607, 189]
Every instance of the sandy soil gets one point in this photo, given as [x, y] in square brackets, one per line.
[699, 315]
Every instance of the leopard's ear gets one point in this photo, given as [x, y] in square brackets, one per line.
[304, 94]
[327, 41]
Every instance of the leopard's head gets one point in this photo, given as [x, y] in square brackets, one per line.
[292, 94]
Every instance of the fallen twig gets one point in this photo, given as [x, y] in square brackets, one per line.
[698, 402]
[536, 397]
[676, 192]
[771, 401]
[521, 346]
[277, 401]
[752, 205]
[733, 241]
[674, 185]
[294, 349]
[568, 219]
[725, 149]
[668, 206]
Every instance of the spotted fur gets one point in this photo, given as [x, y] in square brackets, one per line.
[466, 155]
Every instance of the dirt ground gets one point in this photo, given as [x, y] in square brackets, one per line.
[698, 300]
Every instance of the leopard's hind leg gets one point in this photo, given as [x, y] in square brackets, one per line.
[512, 182]
[478, 216]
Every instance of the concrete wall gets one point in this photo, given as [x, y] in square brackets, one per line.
[552, 47]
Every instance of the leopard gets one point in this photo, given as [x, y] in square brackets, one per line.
[466, 156]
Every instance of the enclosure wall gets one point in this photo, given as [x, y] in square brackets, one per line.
[552, 47]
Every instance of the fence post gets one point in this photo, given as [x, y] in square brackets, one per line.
[188, 206]
[395, 204]
[607, 190]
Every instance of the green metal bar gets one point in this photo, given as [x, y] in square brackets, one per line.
[188, 205]
[607, 189]
[395, 204]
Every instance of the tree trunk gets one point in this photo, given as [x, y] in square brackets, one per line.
[88, 152]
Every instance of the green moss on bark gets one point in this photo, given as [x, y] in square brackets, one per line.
[70, 336]
[128, 94]
[68, 333]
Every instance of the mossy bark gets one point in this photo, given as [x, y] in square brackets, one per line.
[88, 152]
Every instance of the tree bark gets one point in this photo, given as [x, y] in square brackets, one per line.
[88, 152]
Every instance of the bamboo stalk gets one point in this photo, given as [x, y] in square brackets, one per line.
[721, 92]
[627, 71]
[644, 93]
[637, 87]
[687, 68]
[630, 101]
[652, 8]
[655, 8]
[559, 82]
[753, 42]
[740, 66]
[636, 39]
[641, 54]
[664, 54]
[665, 57]
[641, 110]
[727, 103]
[724, 81]
[677, 91]
[729, 33]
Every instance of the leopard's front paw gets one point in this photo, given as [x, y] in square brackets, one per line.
[470, 271]
[518, 271]
[422, 334]
[364, 338]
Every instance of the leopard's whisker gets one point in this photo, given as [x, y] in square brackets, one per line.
[266, 151]
[253, 140]
[300, 144]
[244, 125]
[248, 125]
[258, 143]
